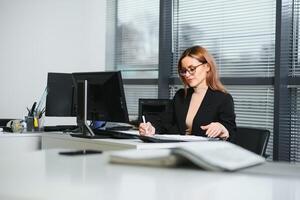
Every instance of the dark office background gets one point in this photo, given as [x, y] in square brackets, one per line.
[255, 44]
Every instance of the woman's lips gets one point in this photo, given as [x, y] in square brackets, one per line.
[189, 79]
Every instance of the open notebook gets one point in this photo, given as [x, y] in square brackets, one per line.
[215, 156]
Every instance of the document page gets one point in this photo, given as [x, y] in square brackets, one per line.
[131, 132]
[160, 157]
[187, 138]
[215, 156]
[222, 155]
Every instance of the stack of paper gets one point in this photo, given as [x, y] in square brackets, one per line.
[216, 156]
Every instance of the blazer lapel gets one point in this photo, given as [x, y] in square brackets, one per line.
[207, 100]
[185, 109]
[203, 109]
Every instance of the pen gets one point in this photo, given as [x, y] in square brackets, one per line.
[144, 121]
[41, 113]
[32, 109]
[42, 100]
[28, 111]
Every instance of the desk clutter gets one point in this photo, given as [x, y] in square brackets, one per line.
[29, 124]
[32, 122]
[34, 119]
[13, 125]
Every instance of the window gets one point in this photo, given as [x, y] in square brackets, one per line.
[133, 33]
[294, 73]
[241, 36]
[137, 26]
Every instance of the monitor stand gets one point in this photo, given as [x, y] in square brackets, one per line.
[84, 129]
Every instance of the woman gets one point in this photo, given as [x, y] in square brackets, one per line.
[203, 107]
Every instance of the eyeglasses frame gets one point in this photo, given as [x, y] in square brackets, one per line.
[191, 69]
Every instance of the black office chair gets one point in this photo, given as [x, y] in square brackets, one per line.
[151, 108]
[3, 123]
[253, 139]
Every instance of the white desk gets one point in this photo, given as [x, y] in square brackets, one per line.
[19, 142]
[64, 141]
[47, 175]
[60, 140]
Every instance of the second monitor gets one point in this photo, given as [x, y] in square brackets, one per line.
[59, 102]
[105, 97]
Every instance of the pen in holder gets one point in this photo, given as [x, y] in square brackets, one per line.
[35, 122]
[38, 122]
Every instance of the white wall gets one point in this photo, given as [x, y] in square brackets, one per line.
[41, 36]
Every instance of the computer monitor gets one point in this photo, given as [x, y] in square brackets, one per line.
[59, 100]
[100, 97]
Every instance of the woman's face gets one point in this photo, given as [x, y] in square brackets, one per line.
[195, 72]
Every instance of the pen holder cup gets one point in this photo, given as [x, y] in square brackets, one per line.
[34, 124]
[40, 125]
[29, 123]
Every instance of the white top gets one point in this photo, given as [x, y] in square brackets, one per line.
[48, 175]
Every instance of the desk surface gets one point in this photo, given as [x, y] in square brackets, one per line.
[48, 175]
[63, 140]
[6, 134]
[19, 142]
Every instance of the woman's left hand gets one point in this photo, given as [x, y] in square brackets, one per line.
[216, 129]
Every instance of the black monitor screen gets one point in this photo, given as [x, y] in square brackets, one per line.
[59, 101]
[105, 96]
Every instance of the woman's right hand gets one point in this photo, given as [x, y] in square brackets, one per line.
[146, 129]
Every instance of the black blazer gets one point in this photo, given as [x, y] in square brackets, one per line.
[216, 106]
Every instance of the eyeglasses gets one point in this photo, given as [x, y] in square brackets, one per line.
[191, 70]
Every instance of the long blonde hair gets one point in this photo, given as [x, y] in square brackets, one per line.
[203, 56]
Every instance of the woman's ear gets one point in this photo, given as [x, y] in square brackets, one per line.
[207, 67]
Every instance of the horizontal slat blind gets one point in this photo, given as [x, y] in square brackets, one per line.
[295, 125]
[295, 68]
[137, 35]
[240, 34]
[295, 90]
[135, 48]
[254, 108]
[134, 92]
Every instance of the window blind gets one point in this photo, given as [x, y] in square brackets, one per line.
[132, 46]
[295, 68]
[295, 90]
[254, 108]
[292, 120]
[241, 37]
[137, 35]
[134, 92]
[295, 125]
[240, 34]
